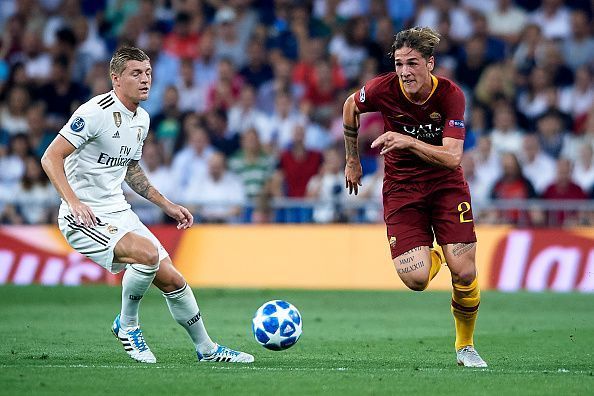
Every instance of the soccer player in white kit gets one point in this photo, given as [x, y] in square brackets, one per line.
[87, 162]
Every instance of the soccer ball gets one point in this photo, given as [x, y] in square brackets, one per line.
[277, 325]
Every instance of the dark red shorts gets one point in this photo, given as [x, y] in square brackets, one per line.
[413, 212]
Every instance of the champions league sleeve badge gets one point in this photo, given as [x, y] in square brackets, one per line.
[77, 124]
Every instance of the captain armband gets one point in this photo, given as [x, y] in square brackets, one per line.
[351, 132]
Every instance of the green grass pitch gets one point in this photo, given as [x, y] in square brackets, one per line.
[57, 341]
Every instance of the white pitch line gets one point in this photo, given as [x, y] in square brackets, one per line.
[305, 369]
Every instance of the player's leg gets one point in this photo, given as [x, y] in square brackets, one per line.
[142, 258]
[184, 309]
[466, 298]
[410, 236]
[454, 229]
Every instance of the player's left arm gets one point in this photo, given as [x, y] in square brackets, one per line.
[138, 182]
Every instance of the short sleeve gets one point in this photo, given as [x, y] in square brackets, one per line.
[366, 98]
[83, 125]
[454, 114]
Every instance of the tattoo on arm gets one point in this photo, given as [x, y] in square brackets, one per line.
[349, 131]
[462, 248]
[351, 147]
[137, 180]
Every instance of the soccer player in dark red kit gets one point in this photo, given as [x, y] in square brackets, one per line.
[425, 194]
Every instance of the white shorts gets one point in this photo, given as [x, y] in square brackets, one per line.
[97, 243]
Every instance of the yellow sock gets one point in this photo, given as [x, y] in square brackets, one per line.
[465, 304]
[437, 259]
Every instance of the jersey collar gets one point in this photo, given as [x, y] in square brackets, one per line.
[121, 106]
[434, 83]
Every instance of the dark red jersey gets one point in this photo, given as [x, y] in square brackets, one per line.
[441, 115]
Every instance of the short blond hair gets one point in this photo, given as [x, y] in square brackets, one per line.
[117, 64]
[422, 39]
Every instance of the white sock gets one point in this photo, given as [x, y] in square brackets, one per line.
[135, 283]
[184, 309]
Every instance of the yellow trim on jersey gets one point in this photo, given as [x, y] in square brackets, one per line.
[434, 81]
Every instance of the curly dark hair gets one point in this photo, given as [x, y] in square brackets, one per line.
[422, 39]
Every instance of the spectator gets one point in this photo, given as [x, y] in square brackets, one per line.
[583, 170]
[223, 93]
[13, 115]
[206, 65]
[219, 196]
[282, 123]
[296, 167]
[507, 21]
[244, 115]
[253, 166]
[524, 56]
[228, 44]
[578, 99]
[282, 81]
[182, 42]
[190, 163]
[578, 49]
[221, 138]
[36, 199]
[327, 189]
[472, 62]
[370, 193]
[506, 136]
[192, 96]
[495, 83]
[564, 188]
[551, 133]
[168, 123]
[37, 60]
[553, 18]
[538, 166]
[536, 100]
[513, 185]
[61, 94]
[12, 162]
[39, 135]
[165, 70]
[257, 70]
[350, 47]
[434, 11]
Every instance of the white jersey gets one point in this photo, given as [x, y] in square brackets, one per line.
[107, 136]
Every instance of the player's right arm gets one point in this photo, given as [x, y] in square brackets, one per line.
[350, 121]
[53, 165]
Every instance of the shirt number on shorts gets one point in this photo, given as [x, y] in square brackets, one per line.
[464, 207]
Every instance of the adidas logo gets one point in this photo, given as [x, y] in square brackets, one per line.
[116, 135]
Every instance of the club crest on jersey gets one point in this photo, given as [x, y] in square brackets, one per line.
[139, 135]
[77, 124]
[117, 118]
[435, 117]
[392, 241]
[456, 124]
[362, 95]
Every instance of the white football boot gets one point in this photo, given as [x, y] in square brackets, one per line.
[133, 342]
[468, 357]
[224, 354]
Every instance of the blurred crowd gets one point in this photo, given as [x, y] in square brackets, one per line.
[247, 95]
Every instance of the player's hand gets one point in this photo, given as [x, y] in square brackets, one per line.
[392, 141]
[182, 215]
[83, 214]
[352, 175]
